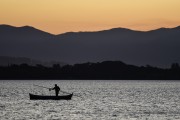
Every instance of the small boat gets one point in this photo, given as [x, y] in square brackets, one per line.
[41, 97]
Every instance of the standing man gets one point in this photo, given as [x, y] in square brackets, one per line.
[56, 88]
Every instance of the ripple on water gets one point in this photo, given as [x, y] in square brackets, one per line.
[97, 100]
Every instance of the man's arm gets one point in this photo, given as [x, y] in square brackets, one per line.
[51, 89]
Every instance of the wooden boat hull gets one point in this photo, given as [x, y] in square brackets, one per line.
[41, 97]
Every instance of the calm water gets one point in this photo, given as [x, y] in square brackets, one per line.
[94, 100]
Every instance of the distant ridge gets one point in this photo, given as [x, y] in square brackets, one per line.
[158, 47]
[111, 29]
[7, 61]
[4, 27]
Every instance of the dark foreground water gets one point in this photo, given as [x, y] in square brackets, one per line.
[94, 100]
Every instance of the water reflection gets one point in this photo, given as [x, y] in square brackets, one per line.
[136, 100]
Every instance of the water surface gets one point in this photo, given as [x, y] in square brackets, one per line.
[93, 100]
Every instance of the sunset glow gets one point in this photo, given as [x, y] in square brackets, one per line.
[59, 16]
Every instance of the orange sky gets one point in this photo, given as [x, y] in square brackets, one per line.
[59, 16]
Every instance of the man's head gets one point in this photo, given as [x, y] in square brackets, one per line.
[55, 84]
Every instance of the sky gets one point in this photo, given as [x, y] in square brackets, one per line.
[60, 16]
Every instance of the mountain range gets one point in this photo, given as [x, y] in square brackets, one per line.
[160, 47]
[8, 61]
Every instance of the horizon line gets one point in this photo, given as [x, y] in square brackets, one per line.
[91, 30]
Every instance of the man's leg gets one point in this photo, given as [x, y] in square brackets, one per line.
[57, 93]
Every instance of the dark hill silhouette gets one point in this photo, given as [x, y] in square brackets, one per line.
[107, 70]
[157, 47]
[7, 61]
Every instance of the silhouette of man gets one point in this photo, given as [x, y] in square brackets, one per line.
[57, 89]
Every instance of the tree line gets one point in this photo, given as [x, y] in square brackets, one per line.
[107, 70]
